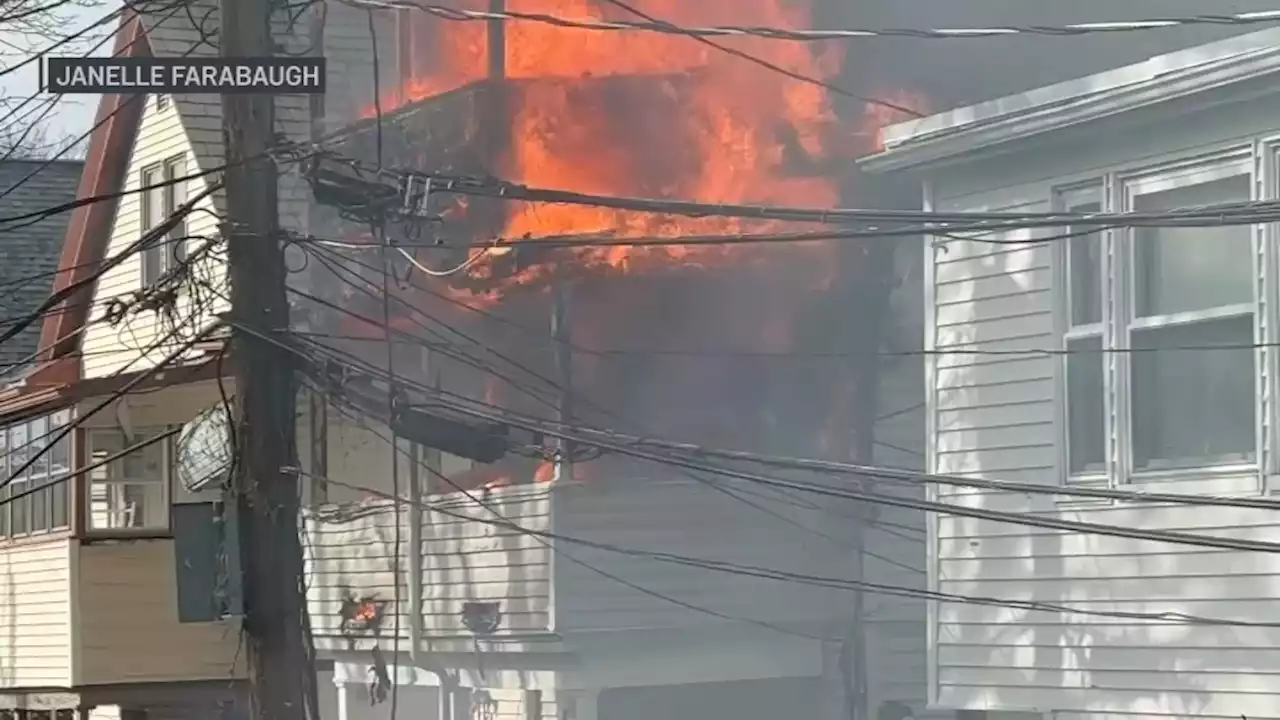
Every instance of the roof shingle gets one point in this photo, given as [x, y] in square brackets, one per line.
[29, 255]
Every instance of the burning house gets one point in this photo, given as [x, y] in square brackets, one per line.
[790, 349]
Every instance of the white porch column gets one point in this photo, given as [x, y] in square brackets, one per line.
[344, 700]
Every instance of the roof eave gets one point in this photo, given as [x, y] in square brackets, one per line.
[89, 229]
[953, 143]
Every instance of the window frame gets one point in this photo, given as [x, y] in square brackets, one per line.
[159, 260]
[1123, 294]
[85, 500]
[47, 417]
[1064, 199]
[1260, 162]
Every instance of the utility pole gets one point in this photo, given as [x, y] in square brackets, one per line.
[265, 490]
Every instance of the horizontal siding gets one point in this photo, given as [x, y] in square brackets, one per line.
[995, 416]
[691, 519]
[351, 548]
[993, 318]
[1005, 657]
[128, 629]
[35, 615]
[109, 349]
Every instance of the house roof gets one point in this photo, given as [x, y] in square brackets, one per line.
[938, 138]
[89, 229]
[30, 255]
[159, 29]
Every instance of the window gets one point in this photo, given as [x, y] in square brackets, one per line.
[130, 492]
[165, 194]
[162, 102]
[36, 496]
[1192, 402]
[1083, 359]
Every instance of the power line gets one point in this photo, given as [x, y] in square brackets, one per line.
[480, 365]
[544, 539]
[468, 407]
[537, 426]
[781, 575]
[334, 178]
[902, 474]
[1265, 17]
[1027, 353]
[774, 67]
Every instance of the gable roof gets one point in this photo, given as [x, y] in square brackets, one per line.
[89, 228]
[29, 255]
[159, 29]
[1162, 78]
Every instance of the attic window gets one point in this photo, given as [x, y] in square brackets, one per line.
[162, 102]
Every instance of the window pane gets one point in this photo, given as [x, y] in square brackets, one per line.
[129, 492]
[1182, 269]
[39, 507]
[1086, 418]
[152, 200]
[1193, 406]
[5, 510]
[60, 457]
[21, 507]
[20, 449]
[60, 499]
[1084, 268]
[39, 432]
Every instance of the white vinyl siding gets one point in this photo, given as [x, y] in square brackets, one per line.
[36, 614]
[1008, 417]
[110, 349]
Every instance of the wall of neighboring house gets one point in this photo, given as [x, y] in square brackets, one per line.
[1003, 416]
[110, 349]
[37, 614]
[128, 627]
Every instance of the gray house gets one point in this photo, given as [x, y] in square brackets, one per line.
[1081, 361]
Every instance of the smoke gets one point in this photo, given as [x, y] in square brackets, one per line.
[955, 73]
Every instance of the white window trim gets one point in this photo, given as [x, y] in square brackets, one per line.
[164, 253]
[1065, 198]
[165, 482]
[1261, 161]
[1124, 291]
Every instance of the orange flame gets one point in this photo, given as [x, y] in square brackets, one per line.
[735, 133]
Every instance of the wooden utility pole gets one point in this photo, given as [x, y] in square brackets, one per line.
[265, 490]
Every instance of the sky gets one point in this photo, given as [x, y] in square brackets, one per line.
[74, 114]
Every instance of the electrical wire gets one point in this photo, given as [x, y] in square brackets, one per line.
[782, 575]
[1026, 353]
[735, 494]
[591, 438]
[162, 341]
[1263, 17]
[345, 175]
[545, 540]
[141, 244]
[773, 67]
[178, 5]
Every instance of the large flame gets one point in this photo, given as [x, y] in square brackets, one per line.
[686, 121]
[735, 132]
